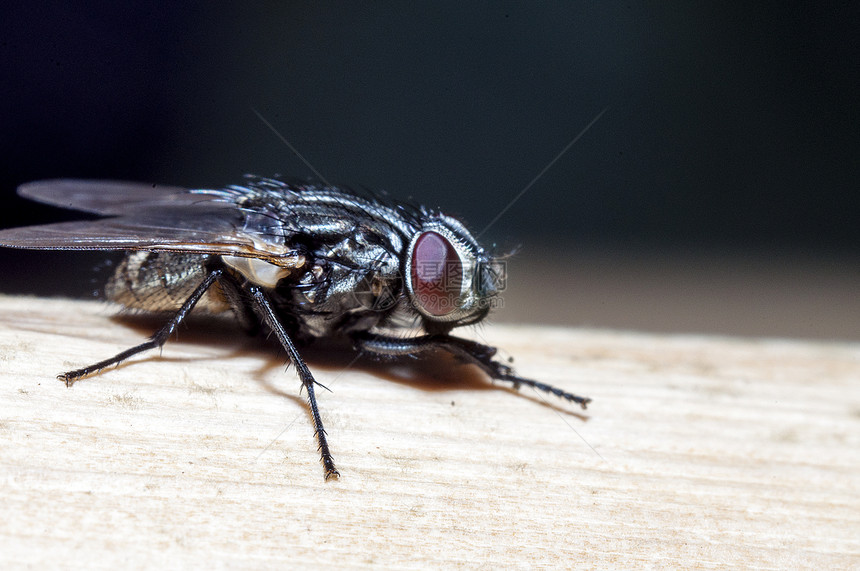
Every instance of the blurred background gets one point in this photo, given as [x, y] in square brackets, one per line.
[717, 194]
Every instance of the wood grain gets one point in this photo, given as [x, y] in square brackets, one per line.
[697, 452]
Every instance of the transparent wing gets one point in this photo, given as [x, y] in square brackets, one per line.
[109, 198]
[146, 218]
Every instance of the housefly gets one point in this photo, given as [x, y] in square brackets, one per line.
[304, 261]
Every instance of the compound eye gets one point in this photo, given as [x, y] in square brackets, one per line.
[437, 274]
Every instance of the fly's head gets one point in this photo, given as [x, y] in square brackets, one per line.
[450, 280]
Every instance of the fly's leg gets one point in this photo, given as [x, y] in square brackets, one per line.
[267, 314]
[468, 351]
[237, 297]
[158, 339]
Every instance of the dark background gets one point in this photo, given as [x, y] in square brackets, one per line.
[732, 132]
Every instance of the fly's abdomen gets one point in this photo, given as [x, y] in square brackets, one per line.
[162, 281]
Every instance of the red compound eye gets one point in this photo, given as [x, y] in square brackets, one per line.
[437, 274]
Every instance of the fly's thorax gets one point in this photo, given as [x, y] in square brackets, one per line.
[351, 273]
[162, 281]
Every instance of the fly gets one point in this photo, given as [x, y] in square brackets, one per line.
[304, 261]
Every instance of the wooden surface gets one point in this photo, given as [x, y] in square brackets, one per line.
[696, 452]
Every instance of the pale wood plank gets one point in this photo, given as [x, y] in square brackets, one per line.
[696, 452]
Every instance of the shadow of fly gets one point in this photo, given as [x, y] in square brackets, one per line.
[303, 261]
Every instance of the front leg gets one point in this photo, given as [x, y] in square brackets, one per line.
[464, 349]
